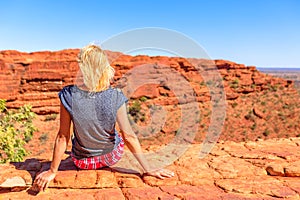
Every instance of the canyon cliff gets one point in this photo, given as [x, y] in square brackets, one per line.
[257, 105]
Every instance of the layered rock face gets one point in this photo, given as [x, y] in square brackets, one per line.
[36, 78]
[258, 105]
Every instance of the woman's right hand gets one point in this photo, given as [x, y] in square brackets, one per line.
[43, 179]
[161, 173]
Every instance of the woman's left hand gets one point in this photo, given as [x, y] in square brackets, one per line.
[43, 179]
[161, 173]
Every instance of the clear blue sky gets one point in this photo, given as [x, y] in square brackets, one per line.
[264, 33]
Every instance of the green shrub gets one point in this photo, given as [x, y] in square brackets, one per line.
[263, 103]
[135, 108]
[135, 111]
[253, 127]
[266, 132]
[234, 84]
[234, 104]
[43, 138]
[143, 99]
[51, 117]
[250, 115]
[16, 129]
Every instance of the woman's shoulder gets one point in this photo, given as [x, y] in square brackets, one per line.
[65, 95]
[67, 89]
[117, 91]
[120, 96]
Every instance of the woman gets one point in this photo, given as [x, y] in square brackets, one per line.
[94, 107]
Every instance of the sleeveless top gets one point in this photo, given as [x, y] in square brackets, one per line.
[94, 117]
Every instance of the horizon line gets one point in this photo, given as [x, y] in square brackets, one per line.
[292, 67]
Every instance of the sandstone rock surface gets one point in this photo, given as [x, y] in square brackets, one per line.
[221, 175]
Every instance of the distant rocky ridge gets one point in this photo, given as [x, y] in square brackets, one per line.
[285, 73]
[258, 105]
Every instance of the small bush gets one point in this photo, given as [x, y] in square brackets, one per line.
[253, 127]
[250, 115]
[143, 99]
[136, 113]
[135, 108]
[234, 84]
[266, 132]
[51, 117]
[16, 129]
[43, 138]
[263, 103]
[234, 104]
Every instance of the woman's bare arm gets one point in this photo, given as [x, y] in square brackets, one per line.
[131, 140]
[42, 180]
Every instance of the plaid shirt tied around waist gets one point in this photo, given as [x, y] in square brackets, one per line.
[97, 162]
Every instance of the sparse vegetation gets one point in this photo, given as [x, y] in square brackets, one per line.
[266, 132]
[43, 138]
[16, 129]
[209, 82]
[234, 84]
[281, 116]
[135, 111]
[285, 106]
[135, 108]
[273, 88]
[250, 115]
[202, 83]
[143, 99]
[51, 117]
[253, 127]
[234, 104]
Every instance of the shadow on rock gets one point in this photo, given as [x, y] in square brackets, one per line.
[34, 167]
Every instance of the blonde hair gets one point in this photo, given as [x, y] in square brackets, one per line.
[96, 70]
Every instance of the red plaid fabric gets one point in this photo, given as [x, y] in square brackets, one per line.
[97, 162]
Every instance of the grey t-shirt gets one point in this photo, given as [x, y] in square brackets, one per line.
[94, 119]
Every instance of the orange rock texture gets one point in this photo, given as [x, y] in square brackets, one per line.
[257, 105]
[256, 157]
[246, 170]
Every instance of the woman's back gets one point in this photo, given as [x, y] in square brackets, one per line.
[94, 117]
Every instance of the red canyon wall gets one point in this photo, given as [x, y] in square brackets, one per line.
[257, 104]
